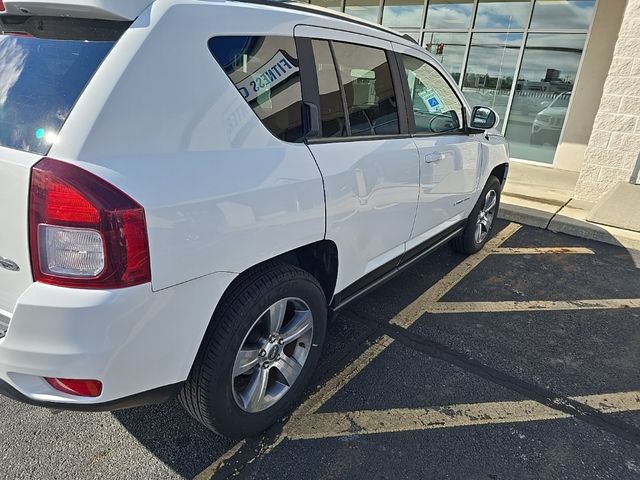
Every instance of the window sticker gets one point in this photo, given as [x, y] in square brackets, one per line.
[431, 99]
[278, 69]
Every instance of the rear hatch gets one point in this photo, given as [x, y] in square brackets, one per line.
[45, 64]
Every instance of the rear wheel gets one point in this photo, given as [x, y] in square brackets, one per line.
[480, 223]
[259, 353]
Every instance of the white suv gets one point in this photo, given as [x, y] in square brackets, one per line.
[188, 187]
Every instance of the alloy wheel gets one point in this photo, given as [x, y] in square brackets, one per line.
[272, 355]
[486, 216]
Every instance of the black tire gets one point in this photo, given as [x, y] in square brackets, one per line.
[208, 394]
[467, 243]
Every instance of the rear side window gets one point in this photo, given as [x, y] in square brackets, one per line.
[265, 72]
[42, 77]
[368, 87]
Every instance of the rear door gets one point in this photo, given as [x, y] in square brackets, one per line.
[45, 63]
[450, 158]
[367, 158]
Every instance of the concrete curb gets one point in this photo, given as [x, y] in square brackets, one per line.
[525, 215]
[570, 220]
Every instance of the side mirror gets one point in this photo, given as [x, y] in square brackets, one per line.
[483, 118]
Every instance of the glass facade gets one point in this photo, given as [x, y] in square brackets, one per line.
[491, 68]
[520, 57]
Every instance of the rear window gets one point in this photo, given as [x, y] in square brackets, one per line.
[44, 67]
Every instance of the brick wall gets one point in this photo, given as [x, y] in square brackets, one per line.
[614, 146]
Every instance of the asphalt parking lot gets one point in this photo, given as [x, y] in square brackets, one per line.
[518, 362]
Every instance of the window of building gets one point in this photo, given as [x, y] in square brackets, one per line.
[491, 70]
[503, 14]
[449, 13]
[265, 72]
[368, 87]
[565, 14]
[403, 13]
[334, 123]
[436, 107]
[365, 9]
[541, 101]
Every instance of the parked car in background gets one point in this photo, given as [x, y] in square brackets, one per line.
[548, 123]
[190, 187]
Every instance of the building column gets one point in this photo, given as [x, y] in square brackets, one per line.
[614, 145]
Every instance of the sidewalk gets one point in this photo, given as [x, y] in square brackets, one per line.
[543, 197]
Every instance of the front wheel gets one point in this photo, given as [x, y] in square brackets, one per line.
[259, 353]
[481, 221]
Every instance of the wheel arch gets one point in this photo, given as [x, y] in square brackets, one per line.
[320, 259]
[500, 172]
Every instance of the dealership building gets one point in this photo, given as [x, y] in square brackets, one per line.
[564, 75]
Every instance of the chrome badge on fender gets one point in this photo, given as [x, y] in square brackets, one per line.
[9, 264]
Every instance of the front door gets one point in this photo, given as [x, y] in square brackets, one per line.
[450, 159]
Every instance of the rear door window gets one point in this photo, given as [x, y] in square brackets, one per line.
[334, 123]
[45, 64]
[265, 71]
[366, 78]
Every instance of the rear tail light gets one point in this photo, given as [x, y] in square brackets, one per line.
[84, 232]
[79, 388]
[1, 6]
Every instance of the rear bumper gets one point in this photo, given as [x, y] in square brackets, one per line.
[151, 397]
[140, 344]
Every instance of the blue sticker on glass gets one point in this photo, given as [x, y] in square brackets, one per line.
[433, 102]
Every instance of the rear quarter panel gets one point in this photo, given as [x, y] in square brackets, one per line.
[162, 121]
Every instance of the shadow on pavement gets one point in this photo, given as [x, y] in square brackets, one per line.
[170, 434]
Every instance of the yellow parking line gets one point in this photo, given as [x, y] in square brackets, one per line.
[326, 425]
[208, 472]
[612, 402]
[418, 307]
[330, 388]
[542, 251]
[532, 305]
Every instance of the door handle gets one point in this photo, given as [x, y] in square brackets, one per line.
[433, 157]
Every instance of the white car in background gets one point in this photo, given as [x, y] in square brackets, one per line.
[189, 187]
[548, 123]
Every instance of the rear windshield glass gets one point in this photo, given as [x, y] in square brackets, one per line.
[40, 81]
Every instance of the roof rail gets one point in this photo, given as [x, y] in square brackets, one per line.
[301, 6]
